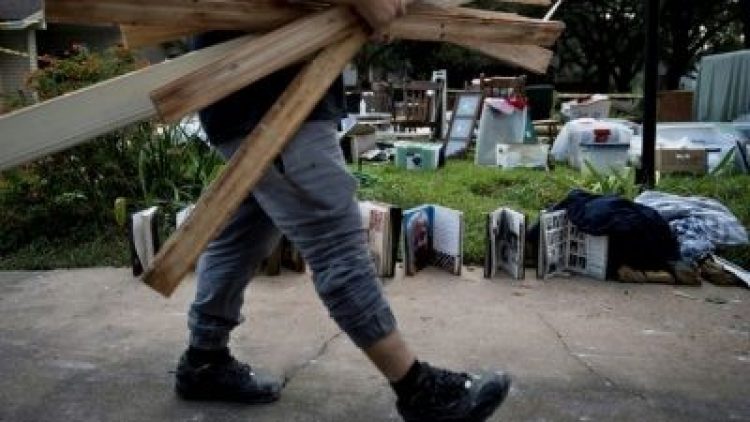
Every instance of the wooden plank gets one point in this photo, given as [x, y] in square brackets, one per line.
[425, 22]
[135, 36]
[71, 119]
[530, 57]
[428, 23]
[249, 163]
[258, 15]
[252, 61]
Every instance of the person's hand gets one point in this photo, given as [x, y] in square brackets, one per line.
[380, 13]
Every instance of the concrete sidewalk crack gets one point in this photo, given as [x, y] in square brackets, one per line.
[605, 379]
[289, 376]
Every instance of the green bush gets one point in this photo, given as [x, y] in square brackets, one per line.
[72, 193]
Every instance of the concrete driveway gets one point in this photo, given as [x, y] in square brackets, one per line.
[96, 345]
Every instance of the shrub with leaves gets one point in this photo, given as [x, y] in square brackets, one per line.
[73, 192]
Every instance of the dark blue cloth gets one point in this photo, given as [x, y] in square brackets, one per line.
[236, 115]
[638, 235]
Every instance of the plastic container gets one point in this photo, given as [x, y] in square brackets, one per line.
[590, 131]
[604, 158]
[497, 128]
[417, 155]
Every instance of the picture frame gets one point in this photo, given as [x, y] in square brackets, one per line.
[464, 120]
[467, 104]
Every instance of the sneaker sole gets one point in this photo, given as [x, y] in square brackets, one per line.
[485, 410]
[260, 399]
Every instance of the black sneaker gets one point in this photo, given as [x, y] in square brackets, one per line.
[450, 396]
[229, 380]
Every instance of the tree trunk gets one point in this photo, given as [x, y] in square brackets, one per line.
[681, 15]
[745, 13]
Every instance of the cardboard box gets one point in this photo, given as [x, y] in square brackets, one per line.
[693, 161]
[675, 106]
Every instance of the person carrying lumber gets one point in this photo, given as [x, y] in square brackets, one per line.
[309, 196]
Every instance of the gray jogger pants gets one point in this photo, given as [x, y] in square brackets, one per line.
[310, 198]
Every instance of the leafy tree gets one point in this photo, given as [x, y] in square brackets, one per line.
[745, 14]
[602, 44]
[693, 28]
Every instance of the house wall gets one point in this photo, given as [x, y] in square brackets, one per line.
[13, 69]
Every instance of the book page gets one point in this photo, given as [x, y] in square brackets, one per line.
[143, 235]
[554, 226]
[510, 239]
[418, 238]
[587, 254]
[447, 232]
[490, 258]
[374, 221]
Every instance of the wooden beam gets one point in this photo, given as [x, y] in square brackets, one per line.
[258, 15]
[249, 164]
[429, 23]
[71, 119]
[253, 61]
[530, 57]
[135, 37]
[424, 22]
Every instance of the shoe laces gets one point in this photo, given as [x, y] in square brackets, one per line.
[443, 386]
[240, 369]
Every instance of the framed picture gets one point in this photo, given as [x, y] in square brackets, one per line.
[467, 104]
[461, 130]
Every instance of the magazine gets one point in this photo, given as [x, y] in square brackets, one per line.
[564, 248]
[382, 223]
[143, 238]
[506, 240]
[433, 236]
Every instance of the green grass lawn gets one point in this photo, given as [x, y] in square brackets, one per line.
[460, 185]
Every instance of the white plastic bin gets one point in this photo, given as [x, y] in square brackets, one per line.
[604, 158]
[497, 128]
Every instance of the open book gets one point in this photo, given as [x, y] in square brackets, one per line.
[382, 222]
[506, 239]
[562, 247]
[433, 235]
[144, 239]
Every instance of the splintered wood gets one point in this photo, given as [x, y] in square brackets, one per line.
[329, 32]
[249, 163]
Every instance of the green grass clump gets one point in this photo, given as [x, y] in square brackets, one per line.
[474, 190]
[88, 249]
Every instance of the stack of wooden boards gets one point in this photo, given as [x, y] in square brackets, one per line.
[326, 34]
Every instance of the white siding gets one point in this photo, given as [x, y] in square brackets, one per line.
[13, 69]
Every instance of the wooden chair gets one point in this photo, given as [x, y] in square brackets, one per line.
[382, 97]
[502, 86]
[419, 106]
